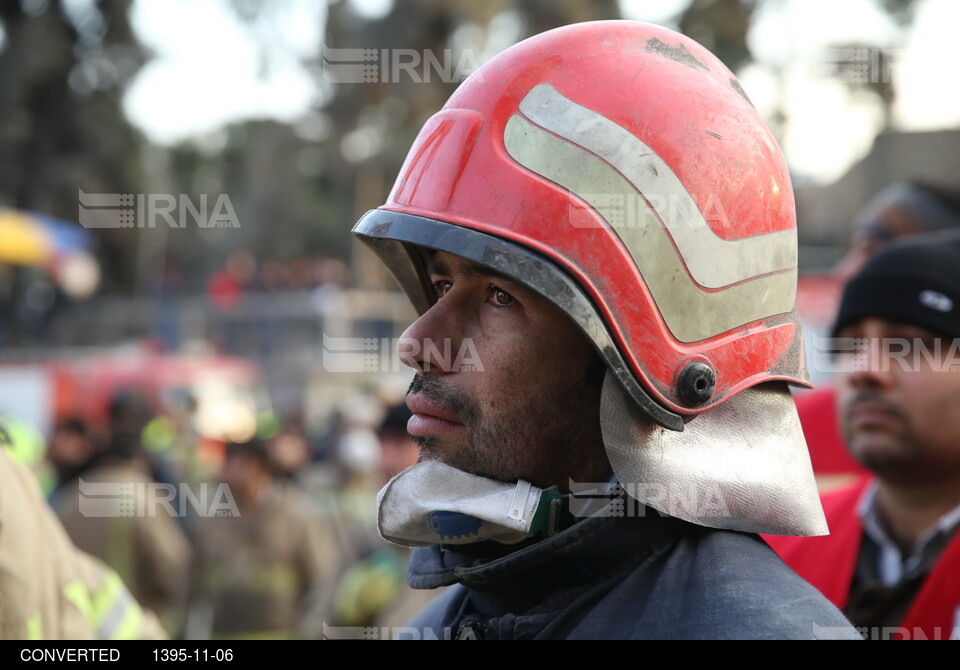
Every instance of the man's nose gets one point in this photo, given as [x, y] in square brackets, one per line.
[431, 343]
[869, 368]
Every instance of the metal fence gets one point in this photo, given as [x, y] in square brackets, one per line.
[282, 332]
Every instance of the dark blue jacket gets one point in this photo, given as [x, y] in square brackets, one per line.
[630, 577]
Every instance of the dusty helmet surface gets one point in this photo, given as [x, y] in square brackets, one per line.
[619, 169]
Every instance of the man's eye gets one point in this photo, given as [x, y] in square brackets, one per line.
[501, 298]
[442, 286]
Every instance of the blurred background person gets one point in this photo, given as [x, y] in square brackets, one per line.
[892, 558]
[69, 450]
[173, 442]
[139, 537]
[289, 451]
[398, 451]
[373, 590]
[900, 210]
[261, 572]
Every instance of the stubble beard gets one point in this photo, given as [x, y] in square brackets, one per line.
[544, 441]
[896, 460]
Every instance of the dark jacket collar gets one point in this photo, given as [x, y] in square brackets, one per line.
[516, 577]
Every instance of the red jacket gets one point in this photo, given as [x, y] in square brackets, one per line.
[828, 563]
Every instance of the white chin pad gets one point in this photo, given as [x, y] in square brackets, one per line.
[742, 465]
[476, 508]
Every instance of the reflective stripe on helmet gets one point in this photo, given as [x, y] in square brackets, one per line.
[712, 261]
[691, 313]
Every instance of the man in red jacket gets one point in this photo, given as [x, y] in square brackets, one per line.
[892, 561]
[900, 210]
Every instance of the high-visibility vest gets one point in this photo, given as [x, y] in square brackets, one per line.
[48, 588]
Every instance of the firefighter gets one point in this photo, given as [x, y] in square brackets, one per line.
[599, 234]
[266, 565]
[48, 588]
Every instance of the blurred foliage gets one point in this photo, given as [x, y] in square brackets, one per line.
[901, 11]
[296, 188]
[721, 26]
[871, 72]
[62, 74]
[867, 69]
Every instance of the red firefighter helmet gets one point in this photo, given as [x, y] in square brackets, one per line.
[618, 169]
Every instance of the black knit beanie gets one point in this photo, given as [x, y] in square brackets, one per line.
[915, 281]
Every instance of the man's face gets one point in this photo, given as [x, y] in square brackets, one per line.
[900, 410]
[507, 386]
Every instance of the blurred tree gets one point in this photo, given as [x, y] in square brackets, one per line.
[375, 122]
[63, 66]
[721, 26]
[297, 187]
[868, 67]
[281, 186]
[864, 67]
[901, 11]
[543, 15]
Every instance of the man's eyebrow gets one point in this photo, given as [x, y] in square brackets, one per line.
[466, 269]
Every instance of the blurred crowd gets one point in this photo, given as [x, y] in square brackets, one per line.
[273, 537]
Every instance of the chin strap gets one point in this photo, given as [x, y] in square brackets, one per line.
[433, 503]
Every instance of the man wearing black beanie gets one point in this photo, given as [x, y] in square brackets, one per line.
[892, 561]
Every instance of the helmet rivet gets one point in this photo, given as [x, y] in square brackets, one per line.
[696, 384]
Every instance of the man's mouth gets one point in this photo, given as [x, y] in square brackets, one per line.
[870, 415]
[430, 418]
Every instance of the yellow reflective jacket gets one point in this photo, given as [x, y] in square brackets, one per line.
[48, 588]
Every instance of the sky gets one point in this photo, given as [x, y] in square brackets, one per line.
[200, 80]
